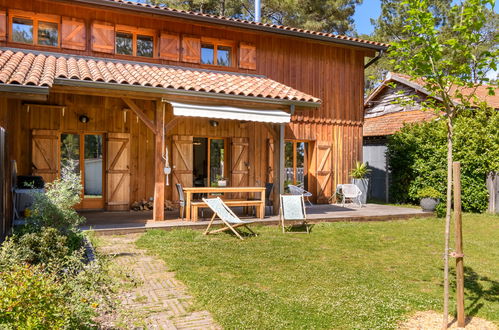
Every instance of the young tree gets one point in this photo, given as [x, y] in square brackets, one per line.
[448, 61]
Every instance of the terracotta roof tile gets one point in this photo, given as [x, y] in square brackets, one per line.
[222, 19]
[390, 123]
[26, 68]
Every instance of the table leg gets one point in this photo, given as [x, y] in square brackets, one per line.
[188, 206]
[262, 206]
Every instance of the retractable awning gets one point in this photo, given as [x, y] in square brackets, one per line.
[224, 112]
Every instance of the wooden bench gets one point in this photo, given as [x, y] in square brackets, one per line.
[258, 204]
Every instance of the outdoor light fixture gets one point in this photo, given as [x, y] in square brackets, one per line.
[84, 119]
[214, 123]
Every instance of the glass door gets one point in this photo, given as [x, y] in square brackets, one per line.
[296, 163]
[86, 153]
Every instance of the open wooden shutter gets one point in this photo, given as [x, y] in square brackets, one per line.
[182, 157]
[45, 154]
[239, 164]
[73, 33]
[191, 49]
[169, 46]
[270, 160]
[3, 25]
[324, 171]
[103, 37]
[118, 171]
[247, 56]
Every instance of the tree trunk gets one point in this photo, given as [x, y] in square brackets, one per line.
[447, 222]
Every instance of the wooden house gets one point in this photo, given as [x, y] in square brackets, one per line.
[119, 87]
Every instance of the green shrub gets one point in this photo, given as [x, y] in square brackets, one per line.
[429, 192]
[360, 171]
[418, 157]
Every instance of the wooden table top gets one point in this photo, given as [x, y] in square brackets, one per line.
[223, 189]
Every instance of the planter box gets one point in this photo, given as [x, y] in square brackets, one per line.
[363, 185]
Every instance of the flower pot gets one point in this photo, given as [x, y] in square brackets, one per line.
[363, 185]
[222, 183]
[429, 204]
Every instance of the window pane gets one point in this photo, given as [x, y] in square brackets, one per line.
[145, 46]
[70, 150]
[217, 157]
[22, 30]
[224, 55]
[93, 166]
[124, 43]
[207, 54]
[301, 162]
[48, 33]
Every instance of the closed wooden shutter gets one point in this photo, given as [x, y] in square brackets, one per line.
[73, 33]
[103, 37]
[169, 46]
[247, 56]
[270, 160]
[191, 49]
[45, 154]
[118, 171]
[182, 158]
[3, 25]
[239, 164]
[324, 172]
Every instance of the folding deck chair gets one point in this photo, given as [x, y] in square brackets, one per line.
[293, 209]
[228, 217]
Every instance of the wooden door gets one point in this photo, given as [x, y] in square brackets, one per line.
[118, 171]
[239, 164]
[182, 157]
[270, 160]
[324, 171]
[45, 154]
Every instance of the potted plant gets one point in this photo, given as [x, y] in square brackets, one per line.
[359, 179]
[430, 197]
[222, 182]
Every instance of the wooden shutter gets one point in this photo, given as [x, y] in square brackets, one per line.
[247, 56]
[182, 158]
[324, 172]
[239, 164]
[45, 154]
[118, 171]
[191, 49]
[3, 25]
[73, 34]
[103, 37]
[270, 160]
[169, 46]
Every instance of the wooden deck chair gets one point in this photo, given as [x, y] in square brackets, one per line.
[293, 209]
[230, 220]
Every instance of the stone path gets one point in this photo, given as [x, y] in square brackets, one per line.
[161, 300]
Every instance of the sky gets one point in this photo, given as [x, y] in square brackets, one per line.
[363, 14]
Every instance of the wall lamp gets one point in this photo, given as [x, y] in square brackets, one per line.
[84, 119]
[213, 123]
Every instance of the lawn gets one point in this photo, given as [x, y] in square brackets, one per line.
[342, 275]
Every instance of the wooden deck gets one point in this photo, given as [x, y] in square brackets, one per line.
[111, 223]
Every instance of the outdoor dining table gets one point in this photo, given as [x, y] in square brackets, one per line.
[189, 191]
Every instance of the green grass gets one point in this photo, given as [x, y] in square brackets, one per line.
[341, 276]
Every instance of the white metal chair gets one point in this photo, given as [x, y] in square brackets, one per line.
[295, 190]
[293, 209]
[349, 192]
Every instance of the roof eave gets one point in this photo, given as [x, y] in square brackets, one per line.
[171, 91]
[207, 19]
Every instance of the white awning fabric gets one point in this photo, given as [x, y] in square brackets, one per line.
[223, 112]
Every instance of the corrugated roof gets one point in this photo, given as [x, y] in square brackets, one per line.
[41, 69]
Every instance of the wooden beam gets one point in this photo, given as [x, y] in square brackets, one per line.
[279, 173]
[271, 130]
[148, 122]
[159, 174]
[171, 124]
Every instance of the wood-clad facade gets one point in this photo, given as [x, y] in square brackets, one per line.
[328, 70]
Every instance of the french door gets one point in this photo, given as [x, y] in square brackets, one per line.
[296, 161]
[86, 151]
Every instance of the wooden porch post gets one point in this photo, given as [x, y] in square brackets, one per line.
[279, 173]
[159, 174]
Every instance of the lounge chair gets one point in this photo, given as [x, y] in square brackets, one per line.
[293, 209]
[230, 220]
[295, 190]
[350, 192]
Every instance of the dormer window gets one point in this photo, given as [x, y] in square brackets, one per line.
[34, 29]
[216, 52]
[134, 42]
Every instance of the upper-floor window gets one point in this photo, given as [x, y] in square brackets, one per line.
[134, 42]
[215, 52]
[34, 29]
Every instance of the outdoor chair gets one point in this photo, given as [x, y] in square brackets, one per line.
[230, 220]
[293, 209]
[295, 190]
[350, 192]
[181, 200]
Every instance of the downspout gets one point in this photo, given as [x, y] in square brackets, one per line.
[258, 11]
[375, 59]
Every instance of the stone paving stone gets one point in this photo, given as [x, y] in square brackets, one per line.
[163, 299]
